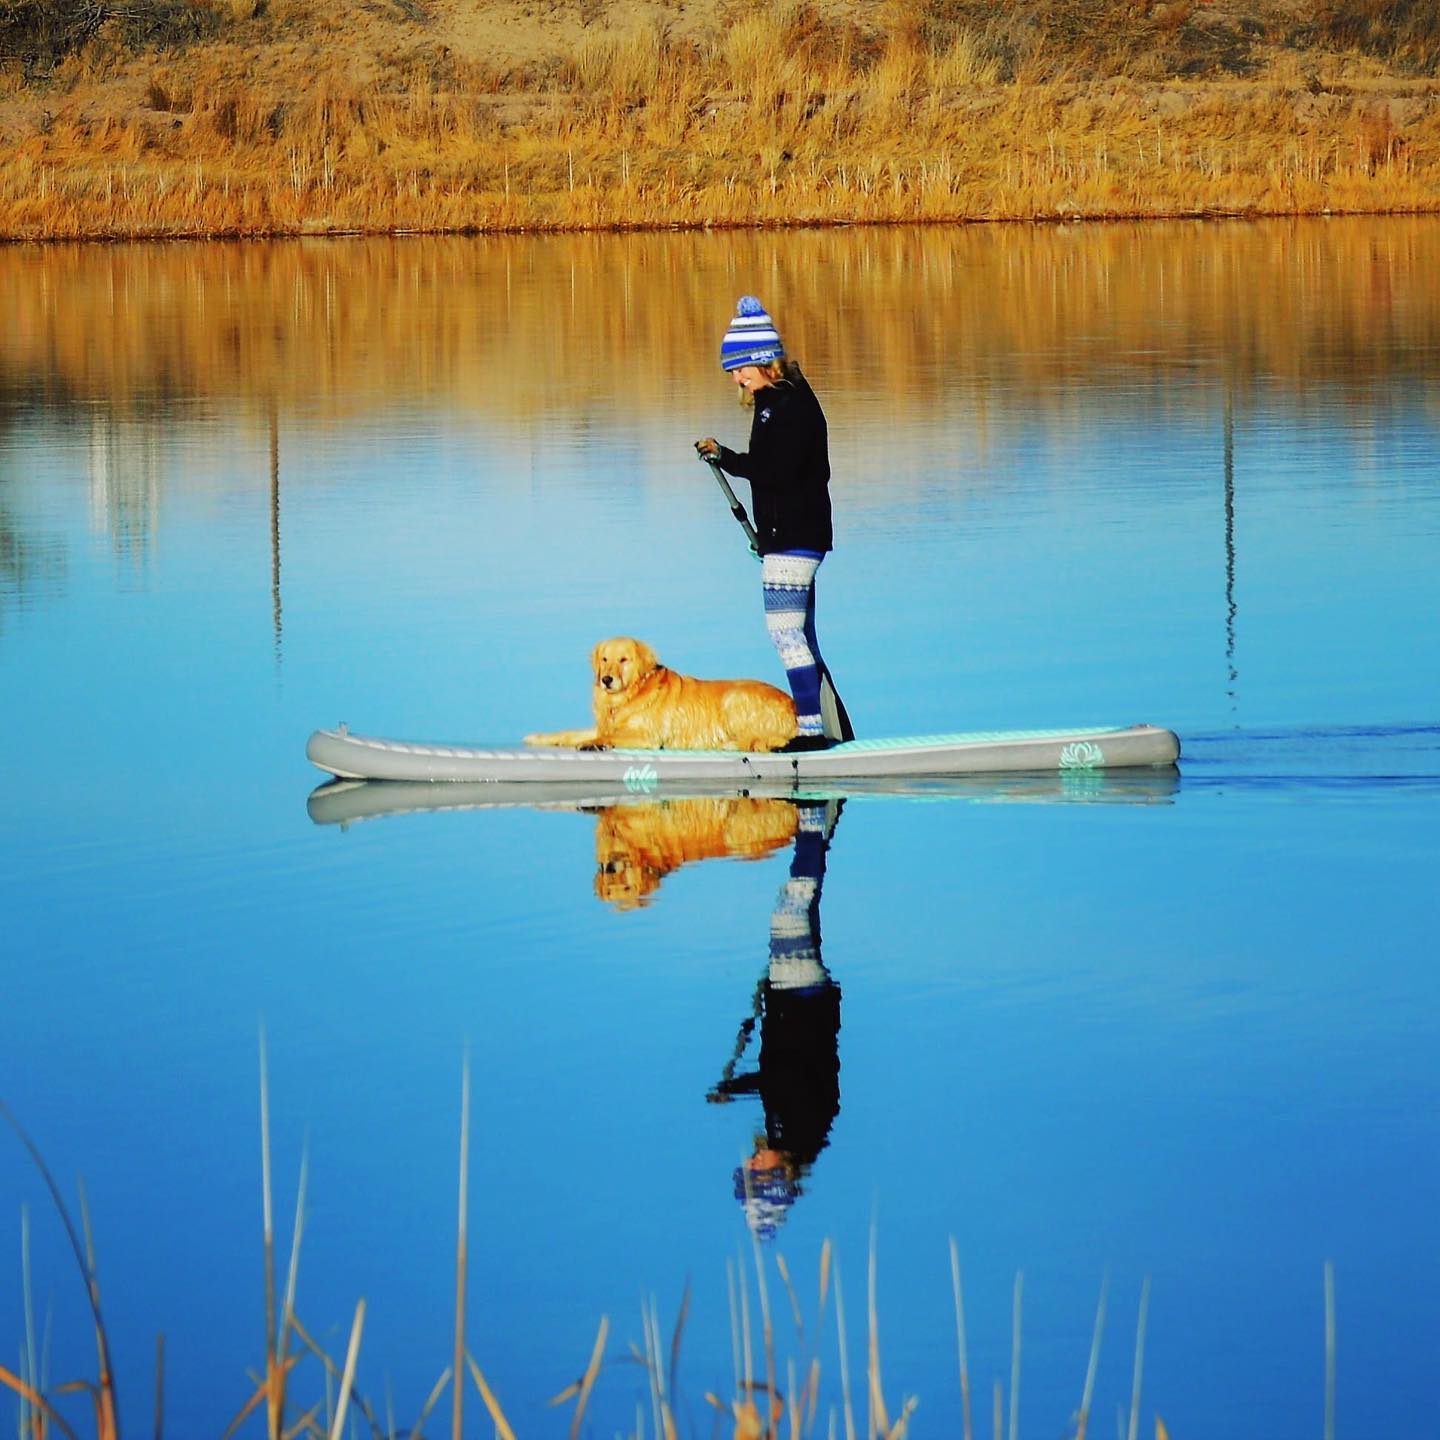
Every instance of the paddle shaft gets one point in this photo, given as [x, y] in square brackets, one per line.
[736, 508]
[832, 708]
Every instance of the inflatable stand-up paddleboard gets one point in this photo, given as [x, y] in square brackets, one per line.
[360, 757]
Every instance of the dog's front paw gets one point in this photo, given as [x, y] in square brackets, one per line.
[593, 745]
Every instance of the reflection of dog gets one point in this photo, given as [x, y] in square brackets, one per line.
[640, 703]
[636, 846]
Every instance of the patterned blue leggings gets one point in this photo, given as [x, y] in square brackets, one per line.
[788, 578]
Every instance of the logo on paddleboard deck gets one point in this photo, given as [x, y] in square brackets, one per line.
[640, 779]
[1081, 755]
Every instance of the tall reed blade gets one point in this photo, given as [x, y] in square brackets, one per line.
[292, 1277]
[651, 1326]
[812, 1394]
[497, 1415]
[85, 1259]
[676, 1335]
[160, 1386]
[1329, 1350]
[734, 1322]
[1083, 1420]
[799, 1319]
[461, 1229]
[33, 1397]
[844, 1358]
[764, 1289]
[29, 1371]
[592, 1370]
[347, 1380]
[431, 1401]
[960, 1338]
[332, 1372]
[306, 1424]
[749, 1368]
[879, 1419]
[1015, 1354]
[107, 1422]
[1134, 1429]
[274, 1400]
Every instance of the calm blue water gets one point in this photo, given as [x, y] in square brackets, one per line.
[1186, 1027]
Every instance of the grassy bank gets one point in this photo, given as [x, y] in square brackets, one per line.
[188, 119]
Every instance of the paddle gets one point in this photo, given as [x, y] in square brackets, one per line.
[832, 708]
[736, 508]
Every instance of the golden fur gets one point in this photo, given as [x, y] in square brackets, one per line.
[641, 704]
[638, 845]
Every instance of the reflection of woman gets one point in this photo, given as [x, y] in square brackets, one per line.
[788, 467]
[798, 1079]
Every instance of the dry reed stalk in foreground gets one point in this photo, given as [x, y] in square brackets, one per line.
[102, 1391]
[347, 1379]
[461, 1230]
[497, 1415]
[1083, 1419]
[1329, 1278]
[1139, 1359]
[960, 1341]
[160, 1385]
[1016, 1304]
[586, 1383]
[662, 1376]
[849, 1410]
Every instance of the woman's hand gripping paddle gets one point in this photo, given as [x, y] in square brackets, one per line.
[832, 708]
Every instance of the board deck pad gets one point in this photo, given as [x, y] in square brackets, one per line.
[361, 757]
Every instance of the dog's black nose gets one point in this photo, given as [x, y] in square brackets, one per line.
[607, 681]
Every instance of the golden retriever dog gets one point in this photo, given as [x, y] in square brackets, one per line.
[641, 704]
[638, 845]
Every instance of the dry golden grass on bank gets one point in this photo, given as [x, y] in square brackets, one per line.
[780, 116]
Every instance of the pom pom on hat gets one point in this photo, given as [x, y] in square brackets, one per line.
[752, 338]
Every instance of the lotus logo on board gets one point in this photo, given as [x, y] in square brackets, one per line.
[1081, 755]
[641, 779]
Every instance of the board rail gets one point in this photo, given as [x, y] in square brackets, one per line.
[350, 756]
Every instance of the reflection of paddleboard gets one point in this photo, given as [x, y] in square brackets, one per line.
[339, 802]
[358, 757]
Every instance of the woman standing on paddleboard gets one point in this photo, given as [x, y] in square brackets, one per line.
[788, 467]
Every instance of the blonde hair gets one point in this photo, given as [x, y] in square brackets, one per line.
[779, 372]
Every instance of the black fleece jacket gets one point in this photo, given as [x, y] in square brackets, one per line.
[788, 467]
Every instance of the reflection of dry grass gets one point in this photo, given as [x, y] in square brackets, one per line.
[978, 317]
[782, 117]
[637, 846]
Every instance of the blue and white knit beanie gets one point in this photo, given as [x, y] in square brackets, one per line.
[752, 338]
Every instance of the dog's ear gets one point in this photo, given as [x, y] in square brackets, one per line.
[646, 658]
[595, 655]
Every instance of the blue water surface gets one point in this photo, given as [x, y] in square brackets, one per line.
[1183, 1027]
